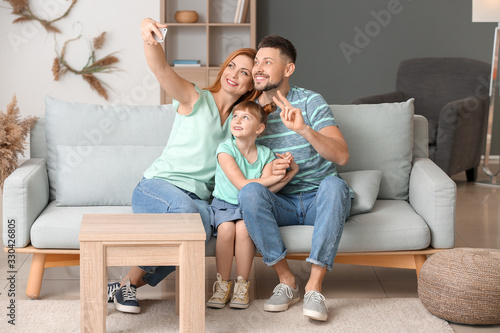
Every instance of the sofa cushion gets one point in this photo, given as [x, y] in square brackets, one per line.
[379, 137]
[101, 184]
[392, 225]
[59, 227]
[365, 185]
[80, 124]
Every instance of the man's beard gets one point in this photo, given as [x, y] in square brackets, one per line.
[270, 86]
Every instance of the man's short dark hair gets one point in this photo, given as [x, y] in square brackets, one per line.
[284, 45]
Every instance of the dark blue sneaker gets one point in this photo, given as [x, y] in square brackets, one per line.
[125, 300]
[112, 288]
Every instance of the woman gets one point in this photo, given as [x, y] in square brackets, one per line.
[182, 178]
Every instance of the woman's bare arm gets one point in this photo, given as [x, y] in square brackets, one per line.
[174, 85]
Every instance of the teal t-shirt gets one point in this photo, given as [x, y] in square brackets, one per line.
[188, 158]
[224, 189]
[313, 168]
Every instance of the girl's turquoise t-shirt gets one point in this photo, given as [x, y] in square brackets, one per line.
[224, 189]
[188, 158]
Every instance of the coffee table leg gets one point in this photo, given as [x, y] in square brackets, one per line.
[92, 283]
[192, 287]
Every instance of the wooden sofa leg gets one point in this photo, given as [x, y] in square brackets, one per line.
[419, 262]
[36, 275]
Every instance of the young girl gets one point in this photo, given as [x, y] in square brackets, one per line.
[240, 161]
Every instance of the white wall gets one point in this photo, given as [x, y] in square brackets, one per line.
[27, 52]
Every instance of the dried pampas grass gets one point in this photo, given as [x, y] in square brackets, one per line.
[13, 133]
[93, 66]
[56, 69]
[95, 84]
[99, 41]
[23, 10]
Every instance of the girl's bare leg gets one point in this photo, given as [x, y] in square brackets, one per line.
[224, 249]
[244, 250]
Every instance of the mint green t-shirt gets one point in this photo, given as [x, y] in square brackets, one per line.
[224, 189]
[188, 158]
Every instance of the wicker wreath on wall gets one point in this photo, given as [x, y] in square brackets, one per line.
[23, 10]
[93, 66]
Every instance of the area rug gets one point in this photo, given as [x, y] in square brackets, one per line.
[345, 315]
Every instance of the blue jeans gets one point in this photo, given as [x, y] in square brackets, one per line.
[158, 196]
[326, 209]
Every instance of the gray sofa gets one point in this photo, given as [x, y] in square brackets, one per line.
[88, 158]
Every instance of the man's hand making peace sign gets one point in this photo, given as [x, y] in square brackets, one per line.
[291, 116]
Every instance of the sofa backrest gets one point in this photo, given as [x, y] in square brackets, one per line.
[97, 154]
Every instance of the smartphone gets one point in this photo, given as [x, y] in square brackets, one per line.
[163, 33]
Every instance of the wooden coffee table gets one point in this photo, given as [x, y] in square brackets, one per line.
[142, 239]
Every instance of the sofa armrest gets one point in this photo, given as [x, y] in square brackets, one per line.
[433, 196]
[392, 97]
[25, 195]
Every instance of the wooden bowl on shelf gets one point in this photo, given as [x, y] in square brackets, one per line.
[186, 16]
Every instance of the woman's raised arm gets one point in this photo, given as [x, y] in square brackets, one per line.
[174, 85]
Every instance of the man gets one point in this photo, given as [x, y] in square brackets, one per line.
[304, 126]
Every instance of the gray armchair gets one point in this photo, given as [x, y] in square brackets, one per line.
[452, 93]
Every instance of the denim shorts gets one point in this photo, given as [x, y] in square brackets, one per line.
[222, 211]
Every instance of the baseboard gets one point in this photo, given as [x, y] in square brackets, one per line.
[493, 158]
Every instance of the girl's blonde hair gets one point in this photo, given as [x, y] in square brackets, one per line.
[216, 86]
[258, 111]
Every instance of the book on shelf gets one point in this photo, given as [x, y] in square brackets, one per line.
[244, 11]
[185, 61]
[238, 10]
[187, 65]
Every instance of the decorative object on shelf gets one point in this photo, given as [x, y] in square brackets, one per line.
[229, 44]
[186, 16]
[222, 10]
[93, 66]
[489, 11]
[241, 13]
[23, 10]
[13, 133]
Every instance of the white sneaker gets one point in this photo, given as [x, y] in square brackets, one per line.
[240, 298]
[222, 291]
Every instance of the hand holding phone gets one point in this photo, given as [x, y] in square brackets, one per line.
[163, 33]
